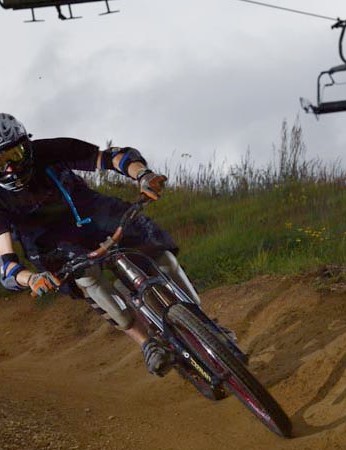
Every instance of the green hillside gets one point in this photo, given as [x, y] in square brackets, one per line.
[231, 225]
[226, 239]
[288, 227]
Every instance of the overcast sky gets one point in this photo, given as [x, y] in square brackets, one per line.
[173, 77]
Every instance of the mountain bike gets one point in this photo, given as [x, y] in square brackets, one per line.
[202, 351]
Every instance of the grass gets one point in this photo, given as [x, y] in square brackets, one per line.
[224, 239]
[233, 224]
[287, 230]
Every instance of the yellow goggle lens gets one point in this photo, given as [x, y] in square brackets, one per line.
[12, 155]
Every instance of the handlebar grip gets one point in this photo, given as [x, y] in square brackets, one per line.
[144, 199]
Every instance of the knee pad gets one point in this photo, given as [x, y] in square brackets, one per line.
[104, 299]
[121, 289]
[169, 264]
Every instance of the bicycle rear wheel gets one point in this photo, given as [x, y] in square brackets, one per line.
[235, 377]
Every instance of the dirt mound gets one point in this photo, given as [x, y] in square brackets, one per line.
[70, 381]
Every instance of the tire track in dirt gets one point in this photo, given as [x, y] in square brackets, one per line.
[69, 381]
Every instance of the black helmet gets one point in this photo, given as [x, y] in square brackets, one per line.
[15, 151]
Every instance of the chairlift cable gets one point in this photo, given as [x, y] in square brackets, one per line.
[306, 13]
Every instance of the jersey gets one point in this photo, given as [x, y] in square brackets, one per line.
[41, 200]
[40, 218]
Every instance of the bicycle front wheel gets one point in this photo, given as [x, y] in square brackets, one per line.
[235, 377]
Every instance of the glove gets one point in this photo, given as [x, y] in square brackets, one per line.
[151, 184]
[41, 283]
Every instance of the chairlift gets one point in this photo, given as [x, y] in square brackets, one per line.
[33, 4]
[325, 80]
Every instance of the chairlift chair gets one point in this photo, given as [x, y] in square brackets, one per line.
[33, 4]
[323, 107]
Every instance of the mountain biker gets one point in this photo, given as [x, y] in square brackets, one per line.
[55, 216]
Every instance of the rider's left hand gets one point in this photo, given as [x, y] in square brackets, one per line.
[151, 184]
[41, 283]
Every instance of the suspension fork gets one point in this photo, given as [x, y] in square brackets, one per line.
[154, 294]
[142, 283]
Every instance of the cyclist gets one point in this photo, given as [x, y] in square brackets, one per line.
[55, 216]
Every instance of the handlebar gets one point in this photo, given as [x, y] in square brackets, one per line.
[83, 261]
[89, 259]
[127, 217]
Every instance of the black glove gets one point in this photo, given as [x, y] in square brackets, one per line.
[150, 183]
[41, 283]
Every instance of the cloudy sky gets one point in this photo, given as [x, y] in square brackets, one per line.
[173, 77]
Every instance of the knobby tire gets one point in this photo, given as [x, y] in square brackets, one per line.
[238, 380]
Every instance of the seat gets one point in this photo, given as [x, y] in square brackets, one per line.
[323, 107]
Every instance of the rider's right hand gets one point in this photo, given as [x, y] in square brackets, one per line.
[41, 283]
[151, 184]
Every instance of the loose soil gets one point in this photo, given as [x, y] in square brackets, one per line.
[70, 381]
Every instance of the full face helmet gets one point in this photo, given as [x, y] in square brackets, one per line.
[16, 165]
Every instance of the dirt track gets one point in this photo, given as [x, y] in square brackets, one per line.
[69, 381]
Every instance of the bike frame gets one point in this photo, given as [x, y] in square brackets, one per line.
[129, 272]
[165, 290]
[157, 301]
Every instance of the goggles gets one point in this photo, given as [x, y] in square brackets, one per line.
[12, 155]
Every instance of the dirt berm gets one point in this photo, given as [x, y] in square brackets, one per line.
[69, 381]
